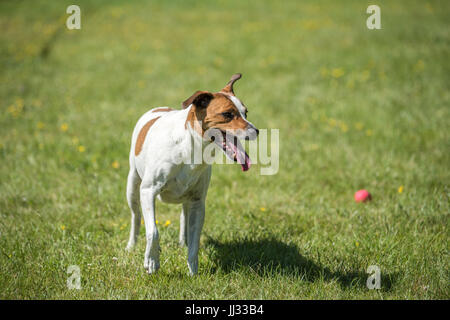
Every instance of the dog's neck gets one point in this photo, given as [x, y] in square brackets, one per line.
[189, 141]
[194, 127]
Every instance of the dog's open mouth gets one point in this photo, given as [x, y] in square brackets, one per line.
[234, 150]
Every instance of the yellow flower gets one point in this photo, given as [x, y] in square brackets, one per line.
[64, 127]
[365, 75]
[19, 103]
[400, 189]
[310, 24]
[141, 84]
[16, 109]
[359, 126]
[357, 243]
[266, 61]
[350, 84]
[201, 70]
[135, 46]
[81, 149]
[75, 140]
[369, 132]
[142, 221]
[420, 65]
[63, 227]
[337, 72]
[156, 221]
[12, 109]
[40, 125]
[115, 165]
[218, 61]
[262, 209]
[312, 100]
[332, 122]
[167, 223]
[344, 127]
[37, 103]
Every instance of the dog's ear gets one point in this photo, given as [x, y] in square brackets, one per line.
[229, 87]
[200, 99]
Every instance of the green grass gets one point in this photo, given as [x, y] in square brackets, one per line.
[356, 108]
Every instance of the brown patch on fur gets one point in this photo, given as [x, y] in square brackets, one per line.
[142, 134]
[163, 109]
[212, 116]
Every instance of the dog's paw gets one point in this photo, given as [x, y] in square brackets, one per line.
[193, 267]
[152, 266]
[130, 246]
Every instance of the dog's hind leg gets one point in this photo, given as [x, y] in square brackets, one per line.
[133, 198]
[183, 226]
[148, 196]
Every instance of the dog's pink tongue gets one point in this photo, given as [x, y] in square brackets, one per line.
[244, 160]
[242, 157]
[247, 162]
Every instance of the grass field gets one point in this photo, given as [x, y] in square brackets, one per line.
[356, 108]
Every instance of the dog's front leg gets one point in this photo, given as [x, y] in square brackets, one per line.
[195, 217]
[151, 258]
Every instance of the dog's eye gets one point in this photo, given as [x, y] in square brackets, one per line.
[228, 115]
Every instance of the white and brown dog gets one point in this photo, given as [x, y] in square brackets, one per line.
[161, 138]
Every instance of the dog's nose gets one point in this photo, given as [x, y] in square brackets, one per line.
[251, 133]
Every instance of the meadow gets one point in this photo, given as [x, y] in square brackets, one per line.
[355, 108]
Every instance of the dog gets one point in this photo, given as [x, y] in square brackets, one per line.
[162, 137]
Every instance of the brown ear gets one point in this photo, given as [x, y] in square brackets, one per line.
[202, 100]
[191, 99]
[229, 87]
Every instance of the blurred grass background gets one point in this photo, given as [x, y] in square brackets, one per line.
[356, 108]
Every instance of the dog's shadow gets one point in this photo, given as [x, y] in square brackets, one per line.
[268, 257]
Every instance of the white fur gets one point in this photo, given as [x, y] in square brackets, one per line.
[251, 131]
[238, 105]
[158, 172]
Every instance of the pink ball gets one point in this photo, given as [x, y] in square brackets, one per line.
[362, 196]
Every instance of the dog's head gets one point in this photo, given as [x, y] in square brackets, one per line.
[221, 117]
